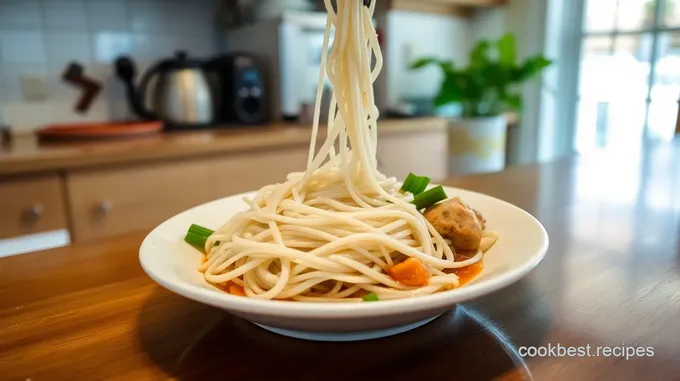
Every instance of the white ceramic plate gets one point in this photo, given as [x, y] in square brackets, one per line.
[168, 260]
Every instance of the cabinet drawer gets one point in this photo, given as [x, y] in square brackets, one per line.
[115, 201]
[31, 205]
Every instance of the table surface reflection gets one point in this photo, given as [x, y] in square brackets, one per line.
[611, 279]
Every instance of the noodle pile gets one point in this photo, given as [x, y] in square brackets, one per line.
[332, 232]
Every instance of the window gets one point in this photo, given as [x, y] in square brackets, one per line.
[629, 82]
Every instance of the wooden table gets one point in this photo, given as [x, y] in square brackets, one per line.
[611, 278]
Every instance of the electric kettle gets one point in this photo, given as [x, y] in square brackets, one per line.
[181, 95]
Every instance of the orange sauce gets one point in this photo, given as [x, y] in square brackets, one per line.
[223, 286]
[231, 288]
[467, 273]
[237, 290]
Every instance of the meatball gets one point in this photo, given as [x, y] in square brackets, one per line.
[456, 221]
[480, 218]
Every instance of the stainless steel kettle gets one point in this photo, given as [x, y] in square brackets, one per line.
[181, 95]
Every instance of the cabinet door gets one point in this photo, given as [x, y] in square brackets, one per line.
[31, 205]
[423, 153]
[115, 201]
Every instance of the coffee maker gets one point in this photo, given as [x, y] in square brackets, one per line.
[238, 88]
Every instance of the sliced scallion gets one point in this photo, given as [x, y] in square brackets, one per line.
[420, 186]
[372, 297]
[195, 240]
[429, 197]
[415, 184]
[200, 230]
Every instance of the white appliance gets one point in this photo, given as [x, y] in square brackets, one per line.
[34, 242]
[289, 47]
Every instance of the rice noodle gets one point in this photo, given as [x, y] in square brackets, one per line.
[334, 230]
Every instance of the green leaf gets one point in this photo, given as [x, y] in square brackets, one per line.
[532, 67]
[479, 56]
[422, 62]
[446, 67]
[484, 86]
[507, 50]
[449, 92]
[514, 101]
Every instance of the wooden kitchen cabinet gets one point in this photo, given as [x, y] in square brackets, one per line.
[120, 200]
[423, 153]
[31, 205]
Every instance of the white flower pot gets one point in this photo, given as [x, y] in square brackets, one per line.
[477, 145]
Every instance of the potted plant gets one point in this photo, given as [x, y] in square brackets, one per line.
[485, 90]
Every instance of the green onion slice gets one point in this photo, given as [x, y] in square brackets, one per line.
[372, 297]
[200, 230]
[429, 197]
[415, 184]
[196, 240]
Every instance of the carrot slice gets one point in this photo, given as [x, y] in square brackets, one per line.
[412, 272]
[237, 290]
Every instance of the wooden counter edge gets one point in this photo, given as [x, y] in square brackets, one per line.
[58, 158]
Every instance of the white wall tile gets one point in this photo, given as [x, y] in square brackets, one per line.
[64, 14]
[183, 18]
[64, 47]
[62, 91]
[20, 14]
[152, 47]
[198, 47]
[146, 16]
[64, 112]
[174, 17]
[5, 94]
[109, 45]
[27, 116]
[22, 46]
[119, 111]
[11, 79]
[105, 15]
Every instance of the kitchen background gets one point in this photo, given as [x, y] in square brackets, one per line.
[53, 194]
[38, 38]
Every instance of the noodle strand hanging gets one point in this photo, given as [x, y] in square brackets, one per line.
[335, 231]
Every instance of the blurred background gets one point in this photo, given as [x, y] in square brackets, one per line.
[117, 114]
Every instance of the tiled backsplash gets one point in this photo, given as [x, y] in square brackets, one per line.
[38, 38]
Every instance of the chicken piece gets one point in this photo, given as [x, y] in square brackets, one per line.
[481, 218]
[456, 221]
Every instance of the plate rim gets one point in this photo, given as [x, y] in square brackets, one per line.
[344, 310]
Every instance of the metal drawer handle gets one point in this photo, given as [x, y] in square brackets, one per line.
[33, 213]
[103, 209]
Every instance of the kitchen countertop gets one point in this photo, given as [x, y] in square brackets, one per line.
[609, 281]
[26, 155]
